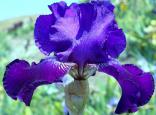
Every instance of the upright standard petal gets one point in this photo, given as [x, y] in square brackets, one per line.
[137, 86]
[99, 37]
[55, 32]
[43, 35]
[87, 29]
[58, 9]
[21, 79]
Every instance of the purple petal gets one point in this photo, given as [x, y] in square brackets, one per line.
[87, 29]
[53, 33]
[137, 86]
[41, 33]
[58, 9]
[87, 16]
[115, 43]
[21, 79]
[100, 37]
[107, 3]
[67, 26]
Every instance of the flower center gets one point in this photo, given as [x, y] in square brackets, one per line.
[84, 72]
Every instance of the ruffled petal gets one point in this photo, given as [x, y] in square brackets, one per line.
[107, 3]
[87, 15]
[104, 29]
[21, 79]
[99, 39]
[56, 32]
[137, 86]
[41, 33]
[89, 12]
[58, 9]
[68, 25]
[79, 29]
[116, 42]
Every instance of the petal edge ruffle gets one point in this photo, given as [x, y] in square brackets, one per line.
[137, 86]
[21, 79]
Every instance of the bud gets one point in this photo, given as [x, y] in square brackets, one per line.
[77, 92]
[76, 96]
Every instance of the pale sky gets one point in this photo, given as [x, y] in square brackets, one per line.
[15, 8]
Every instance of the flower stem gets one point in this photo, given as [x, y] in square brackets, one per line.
[76, 96]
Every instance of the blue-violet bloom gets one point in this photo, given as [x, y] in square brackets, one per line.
[79, 35]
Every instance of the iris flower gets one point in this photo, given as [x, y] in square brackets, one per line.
[84, 38]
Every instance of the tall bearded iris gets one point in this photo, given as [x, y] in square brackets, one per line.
[84, 38]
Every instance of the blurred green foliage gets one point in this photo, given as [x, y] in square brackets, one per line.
[138, 20]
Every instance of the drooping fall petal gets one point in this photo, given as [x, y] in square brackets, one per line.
[21, 79]
[137, 86]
